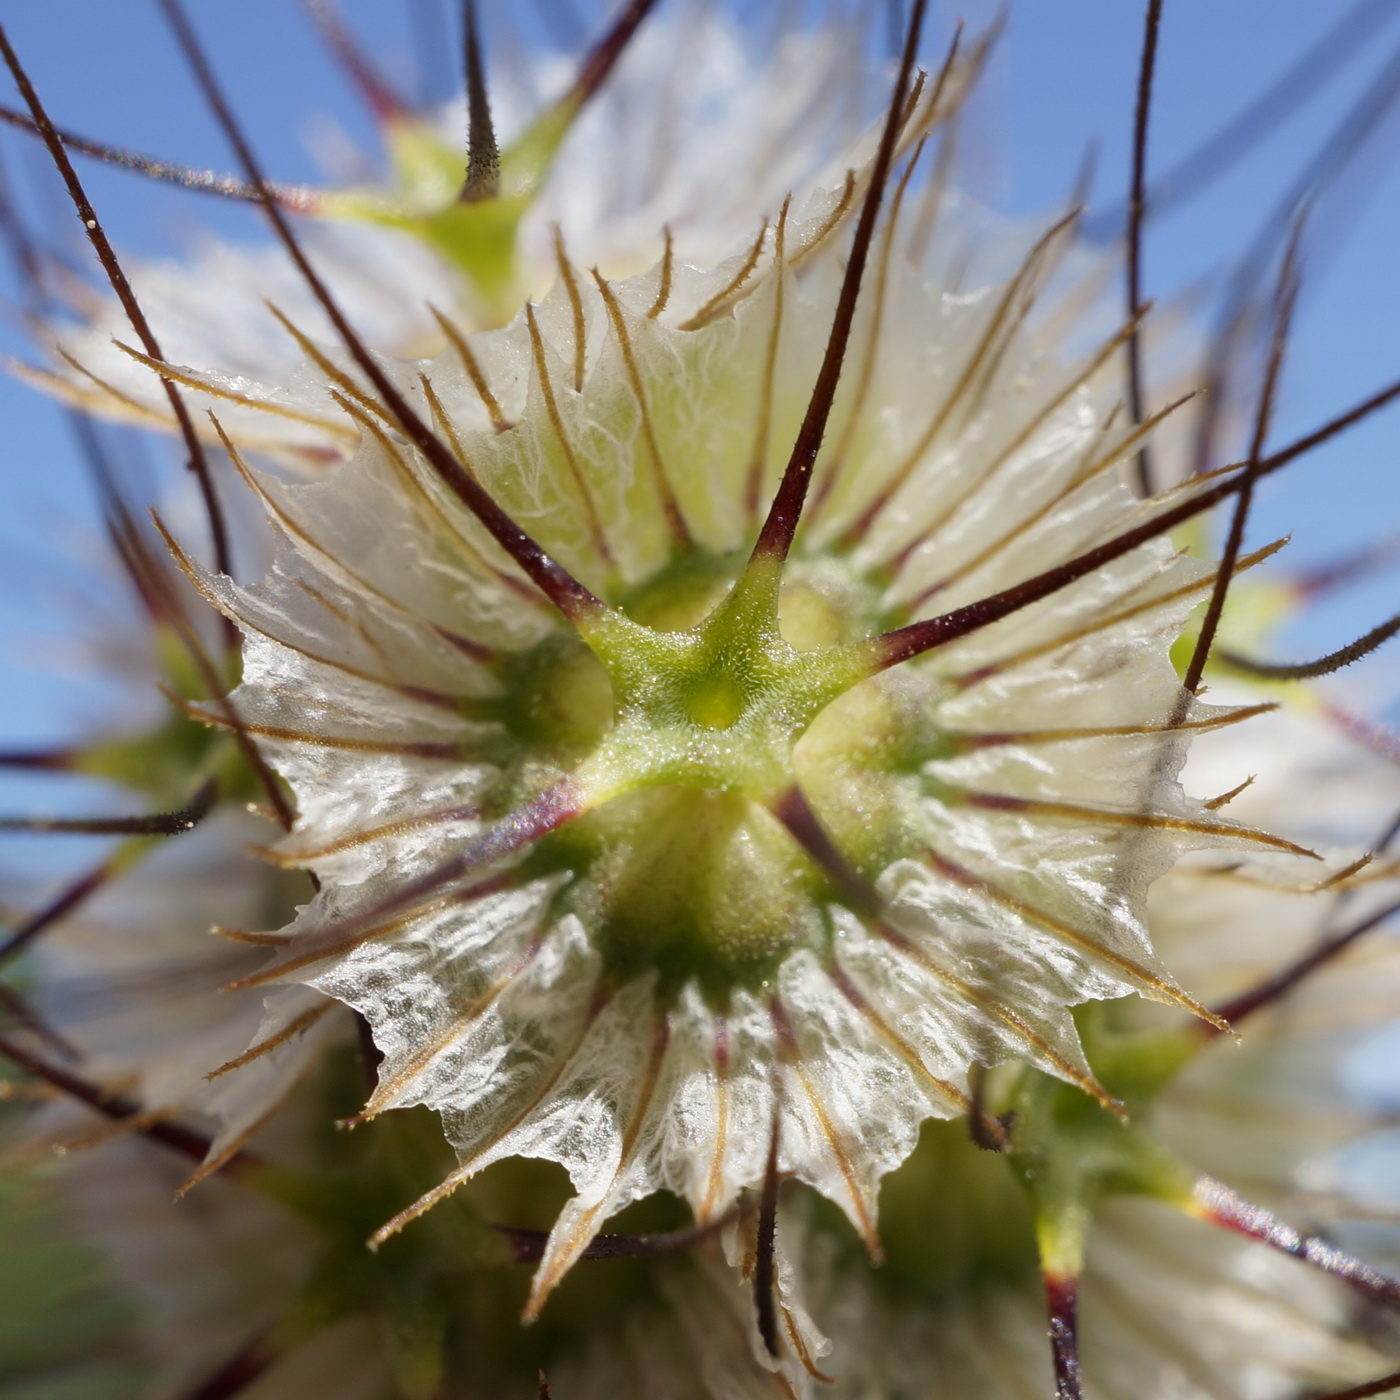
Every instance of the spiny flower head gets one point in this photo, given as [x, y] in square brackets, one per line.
[736, 853]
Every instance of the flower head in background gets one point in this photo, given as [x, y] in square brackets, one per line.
[731, 716]
[401, 253]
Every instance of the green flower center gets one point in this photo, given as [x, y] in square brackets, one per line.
[681, 863]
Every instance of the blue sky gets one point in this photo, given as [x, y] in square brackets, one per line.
[1064, 76]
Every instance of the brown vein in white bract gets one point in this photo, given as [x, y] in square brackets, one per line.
[341, 944]
[799, 1346]
[1214, 804]
[217, 1160]
[791, 1058]
[349, 743]
[580, 326]
[945, 1089]
[201, 584]
[1085, 372]
[1023, 291]
[1108, 620]
[998, 1011]
[113, 1130]
[758, 456]
[1157, 987]
[448, 430]
[941, 108]
[451, 521]
[559, 1259]
[972, 739]
[65, 391]
[438, 816]
[1365, 870]
[663, 291]
[834, 220]
[462, 347]
[422, 694]
[257, 940]
[348, 387]
[351, 624]
[294, 529]
[841, 1154]
[986, 347]
[1158, 821]
[270, 1043]
[142, 413]
[393, 1088]
[711, 310]
[681, 538]
[597, 535]
[330, 426]
[714, 1177]
[472, 1165]
[277, 970]
[1090, 468]
[740, 1339]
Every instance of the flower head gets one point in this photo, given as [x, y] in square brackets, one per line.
[746, 844]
